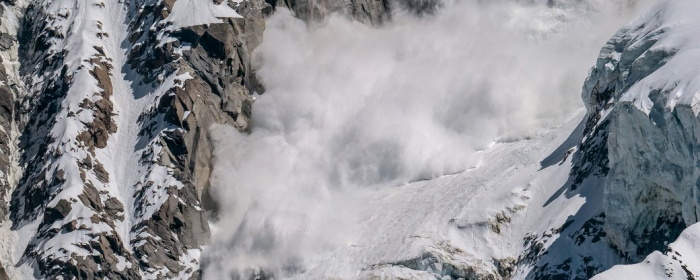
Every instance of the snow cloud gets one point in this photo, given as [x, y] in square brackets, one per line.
[352, 109]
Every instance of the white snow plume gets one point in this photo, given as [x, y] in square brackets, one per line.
[350, 109]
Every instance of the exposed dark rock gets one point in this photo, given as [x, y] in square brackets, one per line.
[3, 273]
[505, 267]
[8, 88]
[102, 126]
[6, 41]
[60, 211]
[373, 12]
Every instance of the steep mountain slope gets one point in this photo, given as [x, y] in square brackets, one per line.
[10, 85]
[680, 261]
[107, 153]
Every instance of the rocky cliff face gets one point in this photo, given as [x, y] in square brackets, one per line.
[371, 12]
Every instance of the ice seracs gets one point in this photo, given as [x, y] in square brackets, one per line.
[642, 97]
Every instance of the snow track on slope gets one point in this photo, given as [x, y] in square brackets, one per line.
[120, 156]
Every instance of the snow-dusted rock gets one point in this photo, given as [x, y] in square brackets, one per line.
[10, 86]
[114, 122]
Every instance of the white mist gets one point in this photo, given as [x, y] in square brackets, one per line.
[352, 109]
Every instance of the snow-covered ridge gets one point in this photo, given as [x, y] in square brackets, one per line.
[653, 57]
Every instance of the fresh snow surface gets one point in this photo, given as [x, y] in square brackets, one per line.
[122, 160]
[187, 13]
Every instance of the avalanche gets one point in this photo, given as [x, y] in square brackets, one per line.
[318, 188]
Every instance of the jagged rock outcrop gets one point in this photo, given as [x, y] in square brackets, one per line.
[365, 11]
[201, 75]
[73, 185]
